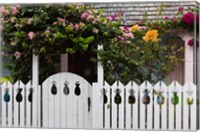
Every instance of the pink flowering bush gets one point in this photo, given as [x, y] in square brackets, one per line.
[49, 30]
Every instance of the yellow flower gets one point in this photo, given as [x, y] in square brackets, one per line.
[151, 35]
[134, 28]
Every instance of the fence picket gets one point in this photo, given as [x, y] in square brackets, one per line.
[146, 103]
[175, 118]
[135, 106]
[107, 106]
[7, 119]
[189, 97]
[29, 106]
[160, 106]
[129, 107]
[64, 103]
[51, 103]
[121, 106]
[87, 104]
[45, 104]
[57, 100]
[19, 98]
[35, 97]
[114, 106]
[97, 113]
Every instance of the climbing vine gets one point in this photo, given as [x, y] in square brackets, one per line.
[129, 53]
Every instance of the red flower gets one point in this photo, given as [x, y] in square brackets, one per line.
[191, 42]
[180, 9]
[188, 18]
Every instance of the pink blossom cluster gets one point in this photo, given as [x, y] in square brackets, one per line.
[76, 26]
[4, 11]
[126, 34]
[112, 17]
[17, 54]
[13, 10]
[88, 17]
[31, 35]
[30, 20]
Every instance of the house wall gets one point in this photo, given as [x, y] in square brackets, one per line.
[188, 62]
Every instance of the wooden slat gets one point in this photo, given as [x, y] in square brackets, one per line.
[160, 106]
[189, 117]
[175, 91]
[97, 118]
[146, 111]
[7, 120]
[107, 106]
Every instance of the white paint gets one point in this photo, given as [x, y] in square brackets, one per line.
[74, 108]
[71, 111]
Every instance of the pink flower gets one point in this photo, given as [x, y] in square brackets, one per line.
[30, 20]
[94, 21]
[188, 18]
[4, 11]
[82, 24]
[180, 9]
[191, 42]
[17, 54]
[129, 35]
[121, 38]
[76, 26]
[109, 18]
[126, 29]
[62, 20]
[84, 14]
[166, 17]
[112, 17]
[14, 9]
[31, 35]
[174, 19]
[89, 17]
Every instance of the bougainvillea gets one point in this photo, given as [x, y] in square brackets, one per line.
[133, 53]
[49, 30]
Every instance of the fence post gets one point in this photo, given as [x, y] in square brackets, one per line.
[35, 69]
[100, 68]
[35, 81]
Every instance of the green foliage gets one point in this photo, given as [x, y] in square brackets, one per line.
[49, 30]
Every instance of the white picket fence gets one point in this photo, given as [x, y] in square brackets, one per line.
[66, 100]
[19, 105]
[144, 107]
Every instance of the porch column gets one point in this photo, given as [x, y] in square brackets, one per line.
[188, 62]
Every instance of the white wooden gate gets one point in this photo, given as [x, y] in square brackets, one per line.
[66, 101]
